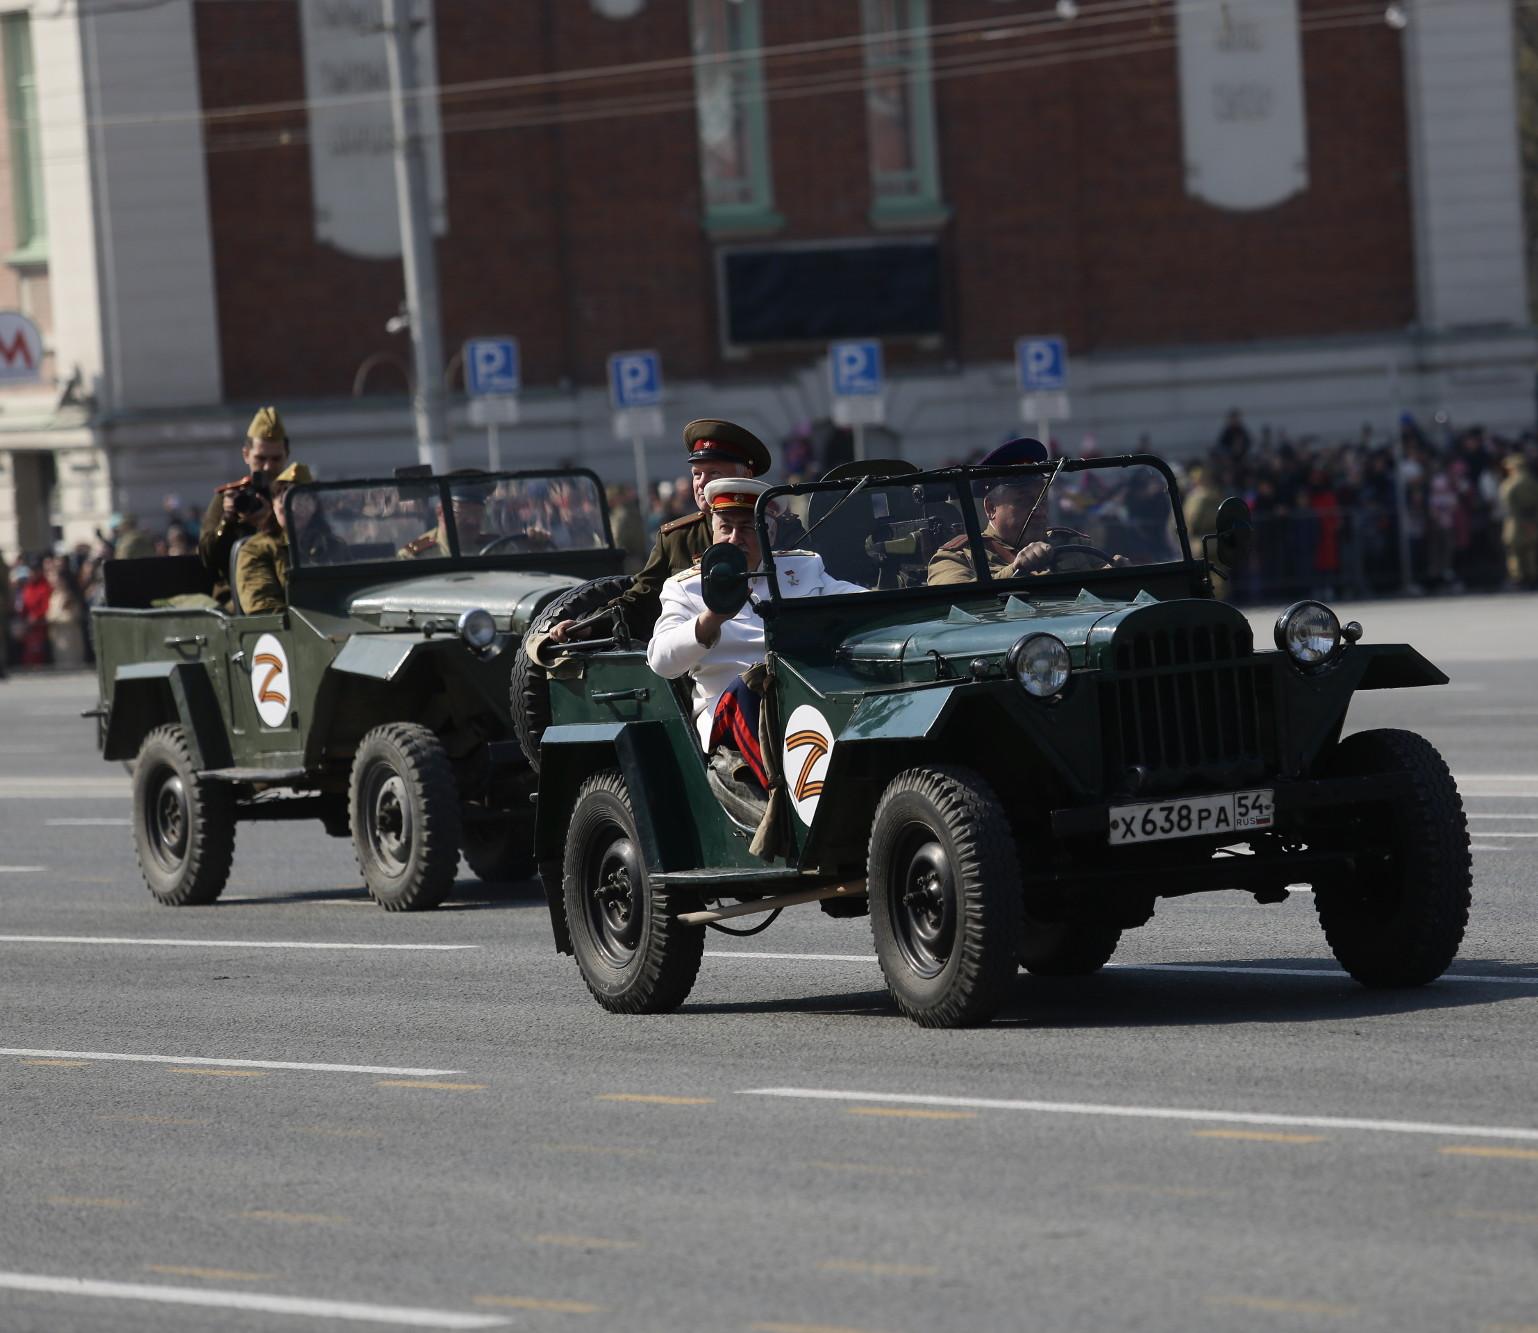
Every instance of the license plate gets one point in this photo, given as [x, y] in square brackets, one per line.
[1193, 816]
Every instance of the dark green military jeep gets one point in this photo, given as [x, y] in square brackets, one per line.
[1005, 771]
[376, 703]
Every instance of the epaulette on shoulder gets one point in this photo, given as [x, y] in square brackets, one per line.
[233, 485]
[419, 544]
[955, 543]
[675, 524]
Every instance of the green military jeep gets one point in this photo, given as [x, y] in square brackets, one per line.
[376, 703]
[1002, 772]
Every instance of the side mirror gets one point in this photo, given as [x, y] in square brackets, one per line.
[1234, 529]
[724, 579]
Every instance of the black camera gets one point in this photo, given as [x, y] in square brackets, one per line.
[253, 495]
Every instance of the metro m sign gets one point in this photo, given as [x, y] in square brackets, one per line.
[21, 349]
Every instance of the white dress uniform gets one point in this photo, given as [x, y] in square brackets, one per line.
[674, 650]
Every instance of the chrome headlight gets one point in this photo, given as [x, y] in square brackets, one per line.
[478, 628]
[1040, 663]
[1308, 632]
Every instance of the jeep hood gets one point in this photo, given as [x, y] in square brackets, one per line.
[512, 597]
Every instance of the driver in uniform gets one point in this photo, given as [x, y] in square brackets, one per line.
[1007, 507]
[468, 492]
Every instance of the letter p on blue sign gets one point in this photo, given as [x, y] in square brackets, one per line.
[635, 379]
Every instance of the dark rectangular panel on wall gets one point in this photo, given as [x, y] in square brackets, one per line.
[810, 293]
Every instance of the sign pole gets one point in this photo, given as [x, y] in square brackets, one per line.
[1044, 432]
[642, 483]
[859, 441]
[493, 448]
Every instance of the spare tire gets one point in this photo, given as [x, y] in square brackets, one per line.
[529, 688]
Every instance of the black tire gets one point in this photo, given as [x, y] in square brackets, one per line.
[184, 827]
[529, 688]
[634, 954]
[500, 851]
[1398, 921]
[1067, 948]
[945, 904]
[404, 808]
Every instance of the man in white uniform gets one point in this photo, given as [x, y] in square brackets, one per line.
[716, 649]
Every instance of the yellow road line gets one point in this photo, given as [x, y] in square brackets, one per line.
[1479, 1215]
[429, 1084]
[588, 1242]
[274, 1215]
[877, 1269]
[59, 1064]
[219, 1073]
[1461, 1150]
[212, 1274]
[1256, 1136]
[1271, 1306]
[654, 1099]
[535, 1303]
[907, 1113]
[75, 1201]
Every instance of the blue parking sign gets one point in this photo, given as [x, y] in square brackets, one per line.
[635, 379]
[1041, 364]
[492, 366]
[856, 369]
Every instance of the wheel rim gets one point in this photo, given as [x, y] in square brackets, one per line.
[167, 818]
[924, 902]
[391, 823]
[614, 885]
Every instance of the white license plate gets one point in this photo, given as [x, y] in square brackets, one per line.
[1193, 816]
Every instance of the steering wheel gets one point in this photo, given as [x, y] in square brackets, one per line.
[1092, 556]
[504, 539]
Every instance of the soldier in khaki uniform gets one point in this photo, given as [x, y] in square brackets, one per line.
[265, 451]
[468, 495]
[716, 449]
[1519, 529]
[1006, 506]
[261, 568]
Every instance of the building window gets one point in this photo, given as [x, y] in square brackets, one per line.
[899, 112]
[25, 142]
[733, 120]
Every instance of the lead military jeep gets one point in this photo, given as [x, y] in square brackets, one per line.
[377, 702]
[1008, 771]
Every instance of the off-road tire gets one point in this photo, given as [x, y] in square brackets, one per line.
[1066, 948]
[529, 688]
[184, 826]
[1399, 921]
[634, 954]
[500, 851]
[949, 959]
[404, 807]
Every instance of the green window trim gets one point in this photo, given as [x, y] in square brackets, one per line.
[739, 80]
[910, 196]
[25, 143]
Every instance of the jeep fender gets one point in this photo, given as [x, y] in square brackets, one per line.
[147, 695]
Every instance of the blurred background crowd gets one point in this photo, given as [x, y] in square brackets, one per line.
[1331, 519]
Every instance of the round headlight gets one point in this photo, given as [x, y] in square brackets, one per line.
[1040, 663]
[1308, 632]
[477, 627]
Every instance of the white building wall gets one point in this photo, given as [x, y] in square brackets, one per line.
[1466, 176]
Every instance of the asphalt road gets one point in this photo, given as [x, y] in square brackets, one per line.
[435, 1126]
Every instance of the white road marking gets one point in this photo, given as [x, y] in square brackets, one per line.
[1159, 1113]
[88, 823]
[1225, 969]
[1485, 847]
[1505, 833]
[403, 1315]
[221, 1062]
[64, 789]
[21, 870]
[226, 944]
[1472, 815]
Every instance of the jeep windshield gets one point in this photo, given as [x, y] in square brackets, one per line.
[1028, 527]
[443, 518]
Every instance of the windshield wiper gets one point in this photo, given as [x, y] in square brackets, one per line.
[854, 491]
[1024, 527]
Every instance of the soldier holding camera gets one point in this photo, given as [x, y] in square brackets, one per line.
[242, 507]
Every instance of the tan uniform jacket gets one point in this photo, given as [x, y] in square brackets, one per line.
[952, 563]
[261, 574]
[1519, 498]
[678, 547]
[432, 542]
[217, 538]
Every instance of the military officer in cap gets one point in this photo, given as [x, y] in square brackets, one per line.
[261, 567]
[239, 509]
[469, 489]
[715, 649]
[1009, 504]
[717, 450]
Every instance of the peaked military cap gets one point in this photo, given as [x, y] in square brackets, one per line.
[710, 440]
[470, 483]
[733, 493]
[1012, 453]
[267, 425]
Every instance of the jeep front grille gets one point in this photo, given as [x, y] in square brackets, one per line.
[1184, 701]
